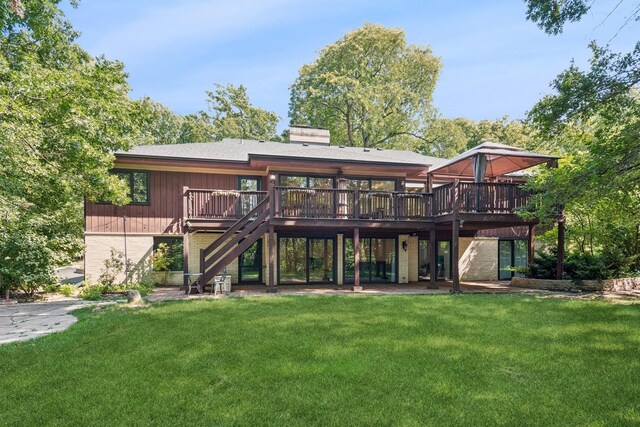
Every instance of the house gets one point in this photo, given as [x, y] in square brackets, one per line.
[308, 212]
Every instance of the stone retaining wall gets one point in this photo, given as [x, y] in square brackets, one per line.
[609, 285]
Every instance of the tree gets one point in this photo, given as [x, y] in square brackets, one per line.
[62, 114]
[233, 115]
[592, 119]
[370, 88]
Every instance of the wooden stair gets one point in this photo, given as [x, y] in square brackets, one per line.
[244, 233]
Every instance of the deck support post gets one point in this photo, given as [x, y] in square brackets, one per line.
[455, 273]
[185, 238]
[356, 260]
[185, 255]
[455, 238]
[560, 264]
[272, 239]
[433, 248]
[272, 263]
[531, 236]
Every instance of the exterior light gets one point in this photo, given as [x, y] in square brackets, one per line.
[272, 178]
[405, 245]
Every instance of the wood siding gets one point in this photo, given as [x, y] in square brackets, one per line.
[163, 214]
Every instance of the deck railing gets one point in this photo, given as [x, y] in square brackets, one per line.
[221, 204]
[491, 197]
[335, 203]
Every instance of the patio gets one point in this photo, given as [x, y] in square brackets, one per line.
[419, 288]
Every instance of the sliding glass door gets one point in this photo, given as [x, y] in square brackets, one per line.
[377, 260]
[250, 264]
[306, 260]
[511, 254]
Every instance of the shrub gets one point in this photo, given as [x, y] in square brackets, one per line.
[144, 288]
[92, 292]
[577, 266]
[66, 290]
[113, 267]
[26, 262]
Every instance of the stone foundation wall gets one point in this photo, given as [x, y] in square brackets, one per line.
[609, 285]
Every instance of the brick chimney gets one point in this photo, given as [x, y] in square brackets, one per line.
[308, 135]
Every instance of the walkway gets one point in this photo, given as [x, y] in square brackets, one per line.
[19, 322]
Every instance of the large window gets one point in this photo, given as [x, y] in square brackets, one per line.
[511, 254]
[306, 260]
[377, 260]
[299, 181]
[138, 185]
[371, 184]
[250, 264]
[174, 251]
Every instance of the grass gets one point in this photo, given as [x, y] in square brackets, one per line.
[341, 360]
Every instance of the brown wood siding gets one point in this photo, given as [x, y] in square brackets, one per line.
[164, 213]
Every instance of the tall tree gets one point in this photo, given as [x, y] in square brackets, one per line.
[370, 88]
[592, 118]
[233, 115]
[62, 114]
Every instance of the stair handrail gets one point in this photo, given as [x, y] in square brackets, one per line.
[234, 228]
[230, 242]
[222, 263]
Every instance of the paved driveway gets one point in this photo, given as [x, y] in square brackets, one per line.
[19, 322]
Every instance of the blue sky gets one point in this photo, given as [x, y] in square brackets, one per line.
[494, 61]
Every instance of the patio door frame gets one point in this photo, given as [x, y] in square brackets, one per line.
[512, 249]
[260, 267]
[334, 259]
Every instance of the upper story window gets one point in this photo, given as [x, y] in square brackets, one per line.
[306, 181]
[371, 184]
[138, 185]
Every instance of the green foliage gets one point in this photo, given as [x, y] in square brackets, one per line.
[447, 138]
[159, 125]
[62, 114]
[91, 292]
[67, 290]
[26, 262]
[551, 15]
[592, 120]
[370, 88]
[114, 266]
[161, 260]
[233, 115]
[577, 266]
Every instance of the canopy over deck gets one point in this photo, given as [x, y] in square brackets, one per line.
[489, 160]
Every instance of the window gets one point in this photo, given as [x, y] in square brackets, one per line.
[511, 255]
[371, 184]
[138, 185]
[306, 181]
[174, 252]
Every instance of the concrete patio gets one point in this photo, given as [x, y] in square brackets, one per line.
[420, 288]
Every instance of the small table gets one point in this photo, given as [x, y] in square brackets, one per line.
[193, 279]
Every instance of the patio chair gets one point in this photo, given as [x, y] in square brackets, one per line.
[218, 285]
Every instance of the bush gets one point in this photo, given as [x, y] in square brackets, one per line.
[26, 262]
[91, 292]
[66, 290]
[144, 288]
[577, 266]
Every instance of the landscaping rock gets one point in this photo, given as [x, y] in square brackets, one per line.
[134, 297]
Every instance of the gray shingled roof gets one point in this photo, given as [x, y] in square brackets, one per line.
[237, 150]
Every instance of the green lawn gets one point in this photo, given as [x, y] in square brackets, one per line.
[341, 360]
